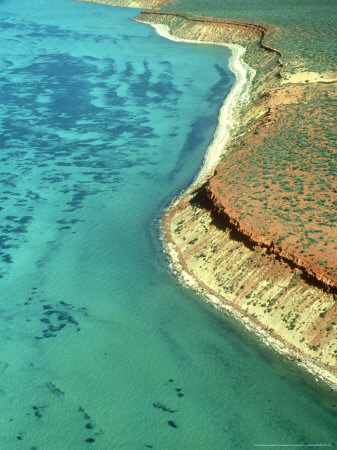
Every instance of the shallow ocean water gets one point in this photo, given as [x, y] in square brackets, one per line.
[102, 123]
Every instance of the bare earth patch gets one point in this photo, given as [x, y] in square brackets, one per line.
[310, 77]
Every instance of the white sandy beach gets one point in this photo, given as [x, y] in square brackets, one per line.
[238, 95]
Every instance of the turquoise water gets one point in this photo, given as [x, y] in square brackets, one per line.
[102, 123]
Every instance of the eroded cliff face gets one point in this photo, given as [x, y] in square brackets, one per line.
[265, 61]
[263, 118]
[295, 316]
[278, 183]
[272, 289]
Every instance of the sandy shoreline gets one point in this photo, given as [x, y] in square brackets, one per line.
[238, 95]
[266, 335]
[119, 3]
[269, 337]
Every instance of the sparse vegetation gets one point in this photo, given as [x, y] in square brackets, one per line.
[276, 184]
[300, 30]
[286, 168]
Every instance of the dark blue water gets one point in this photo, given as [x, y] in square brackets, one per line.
[102, 123]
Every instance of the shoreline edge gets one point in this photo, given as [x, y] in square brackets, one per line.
[238, 95]
[223, 131]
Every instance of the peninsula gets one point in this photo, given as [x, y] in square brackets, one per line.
[256, 232]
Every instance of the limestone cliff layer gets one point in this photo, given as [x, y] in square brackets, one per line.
[252, 278]
[251, 119]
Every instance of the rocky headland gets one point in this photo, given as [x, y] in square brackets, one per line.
[255, 233]
[231, 250]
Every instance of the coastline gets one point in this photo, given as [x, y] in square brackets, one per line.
[135, 4]
[238, 96]
[266, 334]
